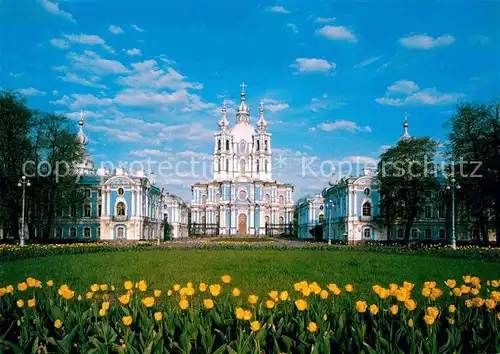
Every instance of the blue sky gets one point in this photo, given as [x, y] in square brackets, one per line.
[336, 77]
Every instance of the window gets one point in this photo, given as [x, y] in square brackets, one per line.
[86, 232]
[265, 145]
[367, 232]
[441, 193]
[120, 233]
[120, 209]
[367, 209]
[98, 233]
[87, 211]
[203, 219]
[218, 165]
[99, 193]
[258, 145]
[73, 211]
[401, 234]
[267, 197]
[441, 211]
[218, 144]
[242, 166]
[281, 199]
[442, 234]
[400, 210]
[99, 209]
[242, 147]
[72, 232]
[227, 144]
[428, 234]
[120, 191]
[367, 192]
[242, 195]
[258, 167]
[88, 193]
[61, 212]
[265, 167]
[59, 233]
[414, 233]
[227, 165]
[428, 211]
[203, 199]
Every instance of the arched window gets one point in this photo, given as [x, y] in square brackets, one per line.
[414, 233]
[428, 211]
[86, 232]
[227, 165]
[87, 211]
[367, 209]
[120, 209]
[266, 220]
[321, 218]
[218, 145]
[400, 234]
[59, 233]
[265, 145]
[218, 165]
[367, 192]
[281, 199]
[242, 166]
[428, 234]
[242, 147]
[203, 219]
[227, 144]
[72, 232]
[203, 199]
[267, 197]
[120, 233]
[258, 145]
[258, 166]
[442, 234]
[265, 166]
[367, 232]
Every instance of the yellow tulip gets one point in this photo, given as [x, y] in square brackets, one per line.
[215, 289]
[183, 304]
[255, 326]
[410, 323]
[361, 306]
[373, 309]
[312, 327]
[20, 303]
[284, 295]
[474, 291]
[349, 288]
[273, 294]
[426, 292]
[203, 287]
[127, 320]
[269, 304]
[490, 304]
[457, 292]
[452, 308]
[432, 311]
[143, 286]
[103, 287]
[376, 289]
[450, 283]
[301, 305]
[236, 292]
[430, 284]
[226, 279]
[158, 316]
[105, 305]
[208, 303]
[102, 312]
[324, 294]
[478, 302]
[252, 299]
[89, 295]
[240, 313]
[31, 282]
[247, 315]
[469, 303]
[94, 287]
[22, 286]
[31, 303]
[467, 279]
[451, 321]
[50, 283]
[148, 301]
[410, 304]
[394, 309]
[128, 285]
[429, 320]
[124, 299]
[495, 295]
[408, 286]
[58, 323]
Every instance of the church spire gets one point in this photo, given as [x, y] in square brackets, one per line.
[81, 135]
[261, 124]
[242, 113]
[223, 123]
[405, 135]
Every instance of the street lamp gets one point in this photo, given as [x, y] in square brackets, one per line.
[453, 186]
[23, 182]
[330, 214]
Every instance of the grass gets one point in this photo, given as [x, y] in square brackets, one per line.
[252, 270]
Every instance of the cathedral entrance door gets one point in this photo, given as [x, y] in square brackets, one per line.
[242, 224]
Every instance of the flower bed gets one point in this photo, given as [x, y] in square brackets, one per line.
[219, 318]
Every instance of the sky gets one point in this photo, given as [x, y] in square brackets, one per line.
[336, 78]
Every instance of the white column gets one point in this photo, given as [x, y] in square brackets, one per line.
[133, 201]
[108, 202]
[103, 201]
[355, 202]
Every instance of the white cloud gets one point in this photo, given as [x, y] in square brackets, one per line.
[138, 29]
[324, 19]
[150, 152]
[59, 43]
[53, 8]
[141, 98]
[341, 124]
[403, 86]
[293, 27]
[16, 75]
[406, 92]
[311, 65]
[74, 78]
[133, 51]
[278, 9]
[86, 114]
[91, 61]
[337, 33]
[366, 62]
[55, 92]
[79, 101]
[362, 159]
[115, 29]
[164, 59]
[31, 91]
[274, 105]
[148, 74]
[423, 41]
[88, 39]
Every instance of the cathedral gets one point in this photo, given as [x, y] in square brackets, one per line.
[242, 198]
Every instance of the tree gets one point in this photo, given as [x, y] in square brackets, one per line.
[15, 149]
[474, 151]
[406, 174]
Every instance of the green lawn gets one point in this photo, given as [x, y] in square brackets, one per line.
[252, 270]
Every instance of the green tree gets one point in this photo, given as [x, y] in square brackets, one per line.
[15, 149]
[474, 151]
[406, 174]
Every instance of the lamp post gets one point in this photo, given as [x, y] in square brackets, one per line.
[23, 182]
[330, 214]
[453, 186]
